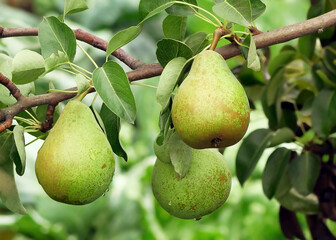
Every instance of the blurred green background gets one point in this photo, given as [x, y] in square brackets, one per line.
[128, 210]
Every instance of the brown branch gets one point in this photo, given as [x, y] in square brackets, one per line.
[11, 87]
[143, 71]
[47, 124]
[81, 35]
[285, 34]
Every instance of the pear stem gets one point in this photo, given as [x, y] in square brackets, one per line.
[83, 94]
[218, 33]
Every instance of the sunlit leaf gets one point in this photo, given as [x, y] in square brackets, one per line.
[253, 61]
[237, 11]
[168, 80]
[111, 83]
[180, 154]
[55, 36]
[27, 67]
[174, 27]
[18, 152]
[55, 61]
[74, 6]
[82, 83]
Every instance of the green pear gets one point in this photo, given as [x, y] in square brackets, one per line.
[210, 108]
[205, 187]
[75, 164]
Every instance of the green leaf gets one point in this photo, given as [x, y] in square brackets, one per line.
[296, 202]
[258, 7]
[306, 45]
[250, 152]
[6, 65]
[174, 27]
[168, 49]
[324, 77]
[161, 146]
[282, 135]
[275, 86]
[181, 9]
[8, 191]
[74, 6]
[54, 61]
[7, 99]
[236, 11]
[168, 80]
[82, 83]
[111, 83]
[303, 171]
[55, 36]
[281, 60]
[147, 6]
[112, 129]
[18, 152]
[274, 169]
[180, 155]
[253, 61]
[27, 67]
[197, 42]
[125, 36]
[324, 112]
[122, 38]
[98, 118]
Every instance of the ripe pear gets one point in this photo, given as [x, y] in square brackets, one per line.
[210, 108]
[75, 164]
[205, 187]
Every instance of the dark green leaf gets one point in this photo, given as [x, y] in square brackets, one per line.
[258, 7]
[250, 152]
[55, 36]
[307, 45]
[197, 42]
[98, 119]
[112, 127]
[280, 61]
[174, 27]
[180, 154]
[282, 135]
[324, 112]
[274, 170]
[111, 83]
[27, 67]
[304, 171]
[168, 80]
[168, 49]
[18, 152]
[146, 6]
[275, 86]
[236, 11]
[74, 6]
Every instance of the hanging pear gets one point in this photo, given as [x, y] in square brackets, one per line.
[210, 109]
[204, 188]
[75, 164]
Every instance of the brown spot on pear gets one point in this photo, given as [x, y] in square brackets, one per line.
[69, 163]
[210, 109]
[200, 192]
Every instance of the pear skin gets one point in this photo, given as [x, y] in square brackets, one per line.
[205, 187]
[75, 164]
[210, 109]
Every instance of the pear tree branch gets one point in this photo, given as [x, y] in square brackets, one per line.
[142, 70]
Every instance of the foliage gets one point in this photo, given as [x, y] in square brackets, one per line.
[295, 90]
